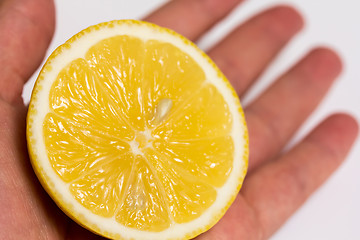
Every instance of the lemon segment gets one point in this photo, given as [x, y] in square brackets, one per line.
[102, 188]
[170, 74]
[73, 151]
[144, 206]
[113, 60]
[185, 203]
[212, 165]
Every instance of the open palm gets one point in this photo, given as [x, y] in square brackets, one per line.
[277, 183]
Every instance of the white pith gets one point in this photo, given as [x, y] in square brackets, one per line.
[77, 49]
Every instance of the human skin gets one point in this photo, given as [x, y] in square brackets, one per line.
[278, 182]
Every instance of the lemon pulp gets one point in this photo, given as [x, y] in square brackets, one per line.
[138, 133]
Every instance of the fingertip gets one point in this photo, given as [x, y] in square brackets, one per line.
[346, 125]
[325, 63]
[286, 20]
[290, 14]
[337, 134]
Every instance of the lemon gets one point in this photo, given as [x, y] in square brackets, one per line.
[136, 134]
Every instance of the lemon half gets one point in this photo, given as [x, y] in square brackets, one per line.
[136, 134]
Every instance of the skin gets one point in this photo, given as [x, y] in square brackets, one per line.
[278, 182]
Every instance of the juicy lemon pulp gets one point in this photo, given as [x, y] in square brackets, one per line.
[138, 134]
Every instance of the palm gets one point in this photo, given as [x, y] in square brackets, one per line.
[276, 184]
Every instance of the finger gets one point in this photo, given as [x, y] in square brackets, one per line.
[26, 28]
[25, 204]
[276, 190]
[239, 222]
[245, 53]
[191, 18]
[277, 114]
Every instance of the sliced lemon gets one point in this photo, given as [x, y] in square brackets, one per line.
[136, 134]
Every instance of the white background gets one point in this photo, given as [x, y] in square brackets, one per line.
[333, 212]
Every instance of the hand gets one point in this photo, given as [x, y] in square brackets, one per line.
[277, 182]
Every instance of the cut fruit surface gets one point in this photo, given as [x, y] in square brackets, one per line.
[136, 134]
